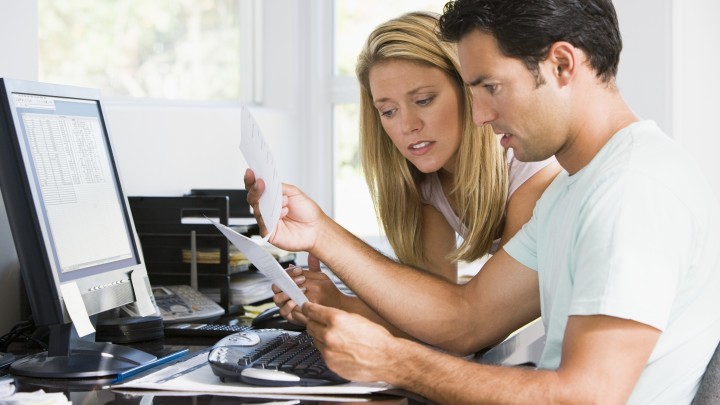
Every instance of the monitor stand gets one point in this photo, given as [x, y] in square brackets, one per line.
[70, 356]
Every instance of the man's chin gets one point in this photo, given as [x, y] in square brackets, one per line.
[523, 156]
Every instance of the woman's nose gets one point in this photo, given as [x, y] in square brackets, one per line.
[410, 122]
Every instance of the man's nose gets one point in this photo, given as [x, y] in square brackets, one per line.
[482, 114]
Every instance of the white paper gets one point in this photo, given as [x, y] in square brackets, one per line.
[76, 309]
[144, 300]
[261, 161]
[195, 375]
[38, 397]
[7, 386]
[265, 262]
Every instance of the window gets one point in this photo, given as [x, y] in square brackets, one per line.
[354, 21]
[170, 49]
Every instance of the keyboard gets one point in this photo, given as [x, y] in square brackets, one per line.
[202, 330]
[271, 357]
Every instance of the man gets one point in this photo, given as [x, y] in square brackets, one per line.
[621, 256]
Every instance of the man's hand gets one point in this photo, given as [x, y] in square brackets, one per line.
[300, 217]
[352, 346]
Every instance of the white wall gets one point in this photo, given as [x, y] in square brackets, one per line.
[18, 47]
[645, 70]
[696, 82]
[168, 149]
[668, 71]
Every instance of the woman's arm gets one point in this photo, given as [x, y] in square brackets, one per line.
[439, 240]
[522, 203]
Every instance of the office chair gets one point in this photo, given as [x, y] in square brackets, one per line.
[709, 391]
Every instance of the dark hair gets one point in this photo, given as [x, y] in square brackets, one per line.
[525, 29]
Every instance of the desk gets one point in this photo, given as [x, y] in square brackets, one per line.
[98, 392]
[523, 348]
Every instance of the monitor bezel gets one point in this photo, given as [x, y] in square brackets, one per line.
[29, 225]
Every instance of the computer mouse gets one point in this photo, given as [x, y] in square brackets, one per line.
[271, 319]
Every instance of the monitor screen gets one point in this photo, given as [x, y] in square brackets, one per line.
[70, 163]
[71, 223]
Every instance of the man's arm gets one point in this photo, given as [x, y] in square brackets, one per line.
[503, 297]
[603, 358]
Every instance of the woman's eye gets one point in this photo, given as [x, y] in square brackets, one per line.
[387, 113]
[425, 101]
[491, 88]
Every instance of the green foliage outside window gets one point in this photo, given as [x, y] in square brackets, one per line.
[176, 49]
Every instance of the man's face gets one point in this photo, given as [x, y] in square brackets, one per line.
[506, 96]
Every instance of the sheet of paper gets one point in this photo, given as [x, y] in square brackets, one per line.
[195, 375]
[76, 309]
[261, 161]
[265, 262]
[143, 293]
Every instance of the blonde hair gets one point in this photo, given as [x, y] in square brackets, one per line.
[480, 180]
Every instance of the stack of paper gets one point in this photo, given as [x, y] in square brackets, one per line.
[246, 288]
[236, 259]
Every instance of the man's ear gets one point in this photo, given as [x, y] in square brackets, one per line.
[564, 60]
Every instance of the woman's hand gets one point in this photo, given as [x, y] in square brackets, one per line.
[316, 285]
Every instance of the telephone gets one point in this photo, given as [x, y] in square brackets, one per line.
[182, 303]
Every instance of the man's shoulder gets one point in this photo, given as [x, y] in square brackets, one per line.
[646, 163]
[643, 149]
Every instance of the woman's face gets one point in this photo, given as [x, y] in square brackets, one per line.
[419, 108]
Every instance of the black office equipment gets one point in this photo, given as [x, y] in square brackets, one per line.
[174, 232]
[71, 224]
[181, 245]
[129, 329]
[271, 357]
[6, 359]
[203, 330]
[182, 303]
[238, 206]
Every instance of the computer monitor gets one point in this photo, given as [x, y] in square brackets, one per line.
[71, 224]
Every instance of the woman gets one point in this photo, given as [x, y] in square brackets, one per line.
[433, 174]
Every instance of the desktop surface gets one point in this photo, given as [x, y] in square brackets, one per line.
[92, 391]
[99, 392]
[520, 349]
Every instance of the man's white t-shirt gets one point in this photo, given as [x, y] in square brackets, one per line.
[635, 235]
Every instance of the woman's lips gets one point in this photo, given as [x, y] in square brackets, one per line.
[420, 148]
